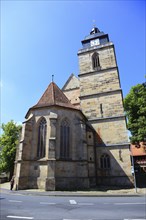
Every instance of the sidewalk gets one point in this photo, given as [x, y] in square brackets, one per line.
[5, 187]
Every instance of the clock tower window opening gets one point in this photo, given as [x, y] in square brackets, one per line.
[95, 61]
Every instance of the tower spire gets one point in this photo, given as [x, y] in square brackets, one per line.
[94, 29]
[94, 23]
[52, 78]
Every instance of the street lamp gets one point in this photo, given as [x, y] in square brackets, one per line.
[133, 171]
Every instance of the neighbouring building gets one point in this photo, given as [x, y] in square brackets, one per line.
[76, 138]
[138, 156]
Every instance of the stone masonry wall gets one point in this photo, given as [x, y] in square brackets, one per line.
[102, 103]
[42, 172]
[99, 82]
[111, 131]
[111, 105]
[106, 58]
[119, 173]
[73, 96]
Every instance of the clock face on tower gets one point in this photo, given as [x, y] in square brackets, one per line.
[94, 42]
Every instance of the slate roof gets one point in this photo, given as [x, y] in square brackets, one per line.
[54, 96]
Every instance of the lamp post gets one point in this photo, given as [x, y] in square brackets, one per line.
[133, 172]
[134, 175]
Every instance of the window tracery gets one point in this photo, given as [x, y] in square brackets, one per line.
[105, 161]
[95, 61]
[64, 139]
[41, 148]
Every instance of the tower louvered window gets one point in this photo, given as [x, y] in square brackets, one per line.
[105, 161]
[42, 138]
[64, 139]
[95, 61]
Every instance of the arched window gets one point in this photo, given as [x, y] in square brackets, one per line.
[105, 161]
[95, 61]
[42, 138]
[64, 139]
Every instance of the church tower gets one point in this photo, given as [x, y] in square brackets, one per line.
[101, 102]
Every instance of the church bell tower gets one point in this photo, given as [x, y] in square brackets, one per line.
[101, 101]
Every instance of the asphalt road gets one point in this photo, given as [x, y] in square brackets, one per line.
[15, 207]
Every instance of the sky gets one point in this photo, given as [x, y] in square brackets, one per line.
[42, 38]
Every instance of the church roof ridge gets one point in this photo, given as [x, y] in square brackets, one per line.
[71, 83]
[68, 81]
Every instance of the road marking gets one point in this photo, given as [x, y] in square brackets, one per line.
[14, 201]
[73, 202]
[128, 203]
[134, 219]
[47, 203]
[22, 217]
[85, 203]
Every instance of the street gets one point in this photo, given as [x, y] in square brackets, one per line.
[17, 206]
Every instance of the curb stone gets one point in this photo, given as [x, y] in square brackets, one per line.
[5, 188]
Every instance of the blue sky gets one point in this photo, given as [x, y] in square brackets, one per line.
[41, 38]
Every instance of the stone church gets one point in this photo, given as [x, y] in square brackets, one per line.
[76, 137]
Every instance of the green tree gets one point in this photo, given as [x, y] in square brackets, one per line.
[8, 142]
[135, 108]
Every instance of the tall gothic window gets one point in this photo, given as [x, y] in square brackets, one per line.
[105, 161]
[95, 61]
[64, 139]
[42, 138]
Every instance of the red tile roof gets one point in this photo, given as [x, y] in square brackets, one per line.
[138, 150]
[54, 96]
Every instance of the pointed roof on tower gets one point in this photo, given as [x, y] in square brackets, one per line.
[94, 34]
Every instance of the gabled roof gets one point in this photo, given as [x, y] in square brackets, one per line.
[71, 83]
[53, 96]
